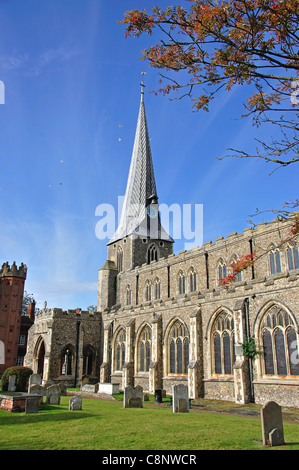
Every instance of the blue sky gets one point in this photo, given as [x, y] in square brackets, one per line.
[66, 135]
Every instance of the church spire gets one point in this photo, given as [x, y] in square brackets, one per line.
[141, 189]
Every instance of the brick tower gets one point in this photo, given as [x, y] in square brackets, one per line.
[12, 280]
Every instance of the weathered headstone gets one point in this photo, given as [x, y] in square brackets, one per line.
[146, 397]
[32, 405]
[34, 379]
[63, 388]
[180, 399]
[75, 403]
[53, 395]
[12, 383]
[36, 389]
[158, 396]
[133, 397]
[272, 426]
[91, 388]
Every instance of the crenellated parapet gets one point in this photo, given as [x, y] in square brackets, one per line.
[13, 271]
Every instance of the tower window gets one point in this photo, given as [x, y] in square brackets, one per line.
[152, 254]
[119, 259]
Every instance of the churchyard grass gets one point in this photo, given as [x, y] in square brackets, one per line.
[106, 425]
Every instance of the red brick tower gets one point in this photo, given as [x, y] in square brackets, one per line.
[12, 280]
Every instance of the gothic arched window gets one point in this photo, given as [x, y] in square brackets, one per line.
[181, 283]
[223, 344]
[238, 275]
[119, 259]
[193, 280]
[178, 345]
[152, 253]
[144, 348]
[128, 295]
[222, 269]
[275, 266]
[293, 257]
[157, 289]
[148, 291]
[280, 343]
[120, 349]
[66, 361]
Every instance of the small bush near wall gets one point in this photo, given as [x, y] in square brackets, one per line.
[22, 376]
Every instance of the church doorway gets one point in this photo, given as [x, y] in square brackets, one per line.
[40, 357]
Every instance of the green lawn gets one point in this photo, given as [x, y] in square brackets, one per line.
[106, 425]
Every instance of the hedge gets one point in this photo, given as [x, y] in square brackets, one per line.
[22, 376]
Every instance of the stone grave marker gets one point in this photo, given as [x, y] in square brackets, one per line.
[36, 389]
[32, 405]
[180, 399]
[34, 379]
[133, 397]
[53, 395]
[75, 403]
[12, 383]
[272, 426]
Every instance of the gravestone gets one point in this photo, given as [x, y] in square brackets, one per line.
[180, 399]
[75, 403]
[272, 426]
[133, 397]
[63, 388]
[32, 405]
[36, 389]
[158, 396]
[34, 379]
[53, 395]
[108, 388]
[91, 388]
[12, 383]
[146, 397]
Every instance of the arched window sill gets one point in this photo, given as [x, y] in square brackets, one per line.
[279, 380]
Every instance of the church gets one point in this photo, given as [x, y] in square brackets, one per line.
[163, 319]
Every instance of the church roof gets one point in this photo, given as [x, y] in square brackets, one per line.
[141, 189]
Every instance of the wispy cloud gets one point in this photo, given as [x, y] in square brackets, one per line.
[35, 65]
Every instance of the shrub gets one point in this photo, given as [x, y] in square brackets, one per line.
[22, 376]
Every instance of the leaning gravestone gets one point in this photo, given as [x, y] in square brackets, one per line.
[133, 397]
[53, 395]
[75, 403]
[32, 405]
[180, 399]
[12, 383]
[272, 426]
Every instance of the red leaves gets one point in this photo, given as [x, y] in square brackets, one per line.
[231, 42]
[295, 227]
[237, 266]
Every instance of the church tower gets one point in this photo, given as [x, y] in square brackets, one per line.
[140, 237]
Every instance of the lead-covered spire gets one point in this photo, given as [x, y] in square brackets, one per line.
[141, 189]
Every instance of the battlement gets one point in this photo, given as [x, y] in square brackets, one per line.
[57, 312]
[13, 271]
